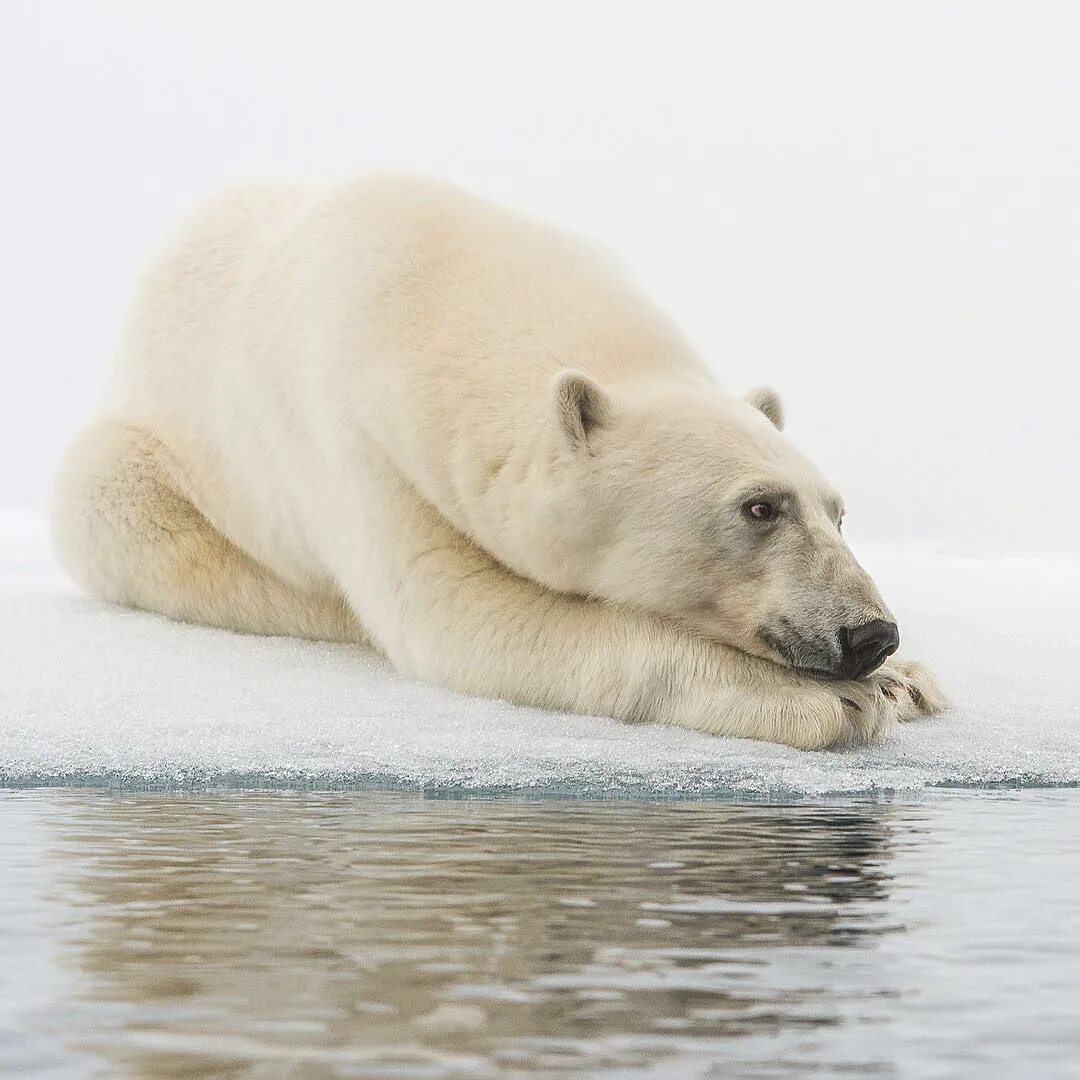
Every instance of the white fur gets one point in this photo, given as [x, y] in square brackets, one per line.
[391, 412]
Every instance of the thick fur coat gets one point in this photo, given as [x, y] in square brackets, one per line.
[392, 413]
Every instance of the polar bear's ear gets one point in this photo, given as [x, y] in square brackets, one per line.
[579, 404]
[767, 401]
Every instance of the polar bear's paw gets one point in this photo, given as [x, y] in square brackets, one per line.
[825, 715]
[868, 714]
[915, 690]
[897, 692]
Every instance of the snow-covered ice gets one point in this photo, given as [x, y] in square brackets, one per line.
[95, 694]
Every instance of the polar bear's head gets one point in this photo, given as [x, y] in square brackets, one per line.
[691, 504]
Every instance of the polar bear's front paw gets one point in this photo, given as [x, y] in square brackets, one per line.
[827, 715]
[868, 714]
[896, 692]
[807, 712]
[915, 690]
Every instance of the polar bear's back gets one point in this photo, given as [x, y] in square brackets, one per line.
[390, 264]
[276, 321]
[184, 313]
[251, 272]
[283, 327]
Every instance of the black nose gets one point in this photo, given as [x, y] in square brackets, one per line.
[865, 647]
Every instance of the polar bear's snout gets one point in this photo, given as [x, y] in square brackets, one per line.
[849, 652]
[865, 648]
[836, 624]
[852, 652]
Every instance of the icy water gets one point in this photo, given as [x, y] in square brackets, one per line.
[388, 934]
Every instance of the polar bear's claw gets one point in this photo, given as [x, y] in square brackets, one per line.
[916, 692]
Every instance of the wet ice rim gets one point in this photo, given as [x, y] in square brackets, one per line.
[90, 694]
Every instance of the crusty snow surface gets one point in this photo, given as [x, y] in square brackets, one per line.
[91, 693]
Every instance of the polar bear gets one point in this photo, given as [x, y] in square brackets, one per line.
[390, 412]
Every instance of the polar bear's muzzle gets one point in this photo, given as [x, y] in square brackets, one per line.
[864, 648]
[854, 653]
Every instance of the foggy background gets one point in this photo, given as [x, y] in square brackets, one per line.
[872, 207]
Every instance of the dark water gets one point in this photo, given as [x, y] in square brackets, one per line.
[391, 935]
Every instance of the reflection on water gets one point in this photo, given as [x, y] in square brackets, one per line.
[388, 935]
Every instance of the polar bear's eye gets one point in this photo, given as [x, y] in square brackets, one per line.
[761, 509]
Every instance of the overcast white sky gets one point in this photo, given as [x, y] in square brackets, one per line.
[875, 207]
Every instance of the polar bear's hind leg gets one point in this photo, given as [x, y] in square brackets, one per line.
[126, 532]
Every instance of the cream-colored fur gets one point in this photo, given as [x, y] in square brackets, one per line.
[390, 412]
